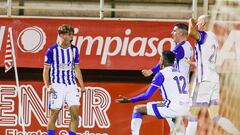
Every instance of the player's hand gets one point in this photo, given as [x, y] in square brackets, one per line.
[193, 21]
[49, 89]
[189, 61]
[83, 89]
[147, 72]
[122, 99]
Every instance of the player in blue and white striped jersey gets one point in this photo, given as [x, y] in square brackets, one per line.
[62, 59]
[174, 88]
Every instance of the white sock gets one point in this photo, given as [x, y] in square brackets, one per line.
[228, 126]
[191, 128]
[135, 125]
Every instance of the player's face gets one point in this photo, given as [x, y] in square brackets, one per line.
[67, 38]
[200, 23]
[176, 33]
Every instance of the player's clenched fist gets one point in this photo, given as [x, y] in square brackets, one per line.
[147, 72]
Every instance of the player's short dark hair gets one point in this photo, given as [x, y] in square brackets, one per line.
[168, 57]
[65, 28]
[182, 26]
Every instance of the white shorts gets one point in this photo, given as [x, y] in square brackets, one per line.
[159, 110]
[64, 94]
[205, 94]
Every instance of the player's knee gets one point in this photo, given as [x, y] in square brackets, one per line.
[194, 111]
[53, 115]
[213, 111]
[140, 108]
[136, 108]
[75, 117]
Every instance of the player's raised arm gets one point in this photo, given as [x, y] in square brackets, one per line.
[192, 30]
[149, 72]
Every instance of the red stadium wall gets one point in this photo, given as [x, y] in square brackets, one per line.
[103, 45]
[99, 115]
[107, 44]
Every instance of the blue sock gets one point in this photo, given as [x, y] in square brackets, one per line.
[71, 133]
[50, 132]
[137, 115]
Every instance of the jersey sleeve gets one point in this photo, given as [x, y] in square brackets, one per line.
[156, 68]
[158, 79]
[48, 57]
[144, 96]
[76, 60]
[156, 82]
[202, 37]
[179, 52]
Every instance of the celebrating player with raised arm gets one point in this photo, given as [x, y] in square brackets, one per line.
[206, 92]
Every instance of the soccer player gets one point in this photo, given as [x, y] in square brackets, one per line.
[62, 59]
[206, 92]
[174, 88]
[183, 50]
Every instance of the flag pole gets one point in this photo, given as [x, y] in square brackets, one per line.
[20, 108]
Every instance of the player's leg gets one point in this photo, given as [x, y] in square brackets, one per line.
[138, 112]
[160, 110]
[74, 113]
[192, 117]
[192, 121]
[200, 98]
[171, 126]
[227, 125]
[223, 122]
[204, 123]
[51, 121]
[55, 105]
[73, 101]
[179, 125]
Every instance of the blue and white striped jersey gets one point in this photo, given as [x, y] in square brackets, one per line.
[62, 61]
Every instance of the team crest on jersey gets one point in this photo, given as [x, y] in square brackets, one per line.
[45, 58]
